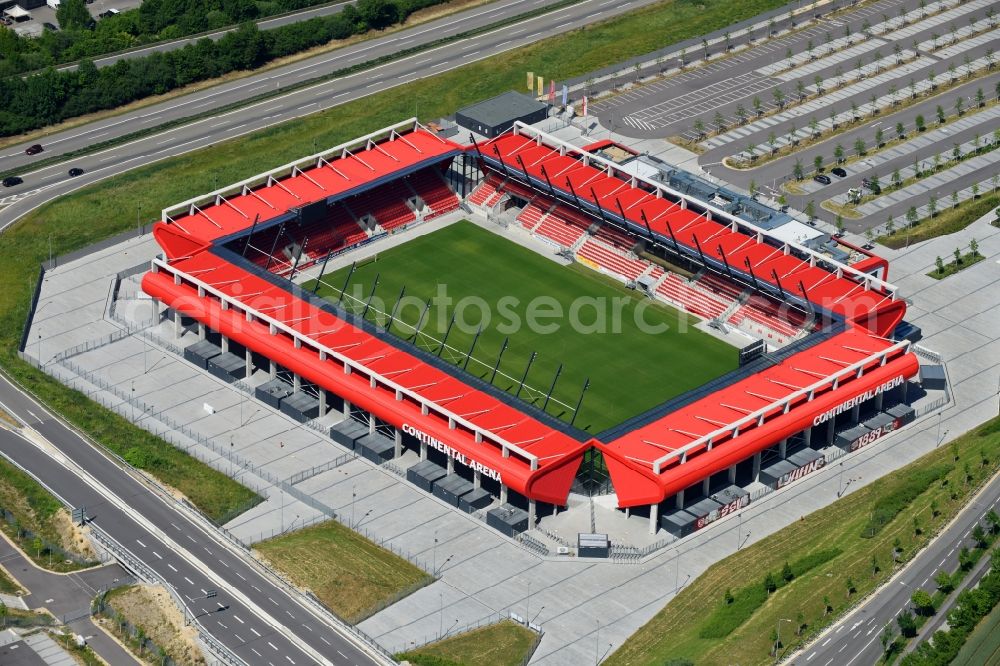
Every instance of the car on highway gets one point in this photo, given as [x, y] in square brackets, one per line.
[75, 171]
[34, 149]
[11, 181]
[839, 172]
[821, 179]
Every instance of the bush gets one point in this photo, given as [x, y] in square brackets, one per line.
[909, 489]
[745, 601]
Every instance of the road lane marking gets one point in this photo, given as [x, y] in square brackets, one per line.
[190, 582]
[140, 543]
[172, 567]
[237, 618]
[275, 647]
[158, 556]
[255, 632]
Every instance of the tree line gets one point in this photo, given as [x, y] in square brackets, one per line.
[51, 96]
[81, 36]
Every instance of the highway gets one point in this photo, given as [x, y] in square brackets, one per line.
[261, 621]
[855, 640]
[174, 44]
[46, 184]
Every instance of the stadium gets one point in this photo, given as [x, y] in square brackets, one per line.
[316, 282]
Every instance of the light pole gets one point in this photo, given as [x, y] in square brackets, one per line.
[597, 644]
[441, 616]
[354, 495]
[435, 551]
[677, 570]
[777, 636]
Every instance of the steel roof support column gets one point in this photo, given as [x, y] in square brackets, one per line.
[654, 517]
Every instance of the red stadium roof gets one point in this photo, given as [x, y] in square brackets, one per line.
[592, 180]
[332, 173]
[528, 454]
[696, 441]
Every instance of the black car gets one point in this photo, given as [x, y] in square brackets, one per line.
[839, 172]
[75, 171]
[11, 181]
[823, 180]
[33, 149]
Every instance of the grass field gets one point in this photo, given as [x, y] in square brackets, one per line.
[502, 644]
[473, 263]
[948, 221]
[675, 632]
[351, 575]
[982, 648]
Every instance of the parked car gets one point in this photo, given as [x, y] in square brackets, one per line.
[11, 181]
[34, 150]
[839, 172]
[821, 179]
[49, 26]
[75, 171]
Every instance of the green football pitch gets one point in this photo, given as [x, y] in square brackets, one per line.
[636, 353]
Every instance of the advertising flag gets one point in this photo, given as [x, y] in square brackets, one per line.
[584, 105]
[531, 80]
[541, 86]
[552, 92]
[565, 94]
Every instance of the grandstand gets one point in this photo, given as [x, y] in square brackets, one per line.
[230, 258]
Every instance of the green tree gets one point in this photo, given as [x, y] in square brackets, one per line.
[779, 97]
[922, 602]
[940, 113]
[73, 15]
[810, 209]
[979, 536]
[944, 582]
[959, 105]
[939, 262]
[838, 153]
[728, 597]
[879, 137]
[993, 518]
[719, 121]
[859, 146]
[797, 170]
[786, 573]
[888, 637]
[3, 613]
[818, 164]
[935, 509]
[900, 131]
[907, 624]
[911, 215]
[920, 123]
[699, 128]
[932, 209]
[849, 584]
[827, 606]
[770, 585]
[758, 106]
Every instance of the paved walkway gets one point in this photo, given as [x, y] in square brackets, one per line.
[482, 572]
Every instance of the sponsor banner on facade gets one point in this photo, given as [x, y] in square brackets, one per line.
[873, 435]
[858, 399]
[722, 512]
[459, 457]
[799, 472]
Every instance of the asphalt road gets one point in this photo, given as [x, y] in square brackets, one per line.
[49, 183]
[772, 174]
[855, 640]
[68, 595]
[259, 620]
[671, 106]
[173, 45]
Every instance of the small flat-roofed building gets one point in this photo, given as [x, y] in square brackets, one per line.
[494, 116]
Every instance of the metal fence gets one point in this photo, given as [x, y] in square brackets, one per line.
[31, 541]
[132, 563]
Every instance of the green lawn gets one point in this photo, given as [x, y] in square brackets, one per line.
[502, 644]
[679, 630]
[947, 221]
[351, 575]
[982, 648]
[630, 370]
